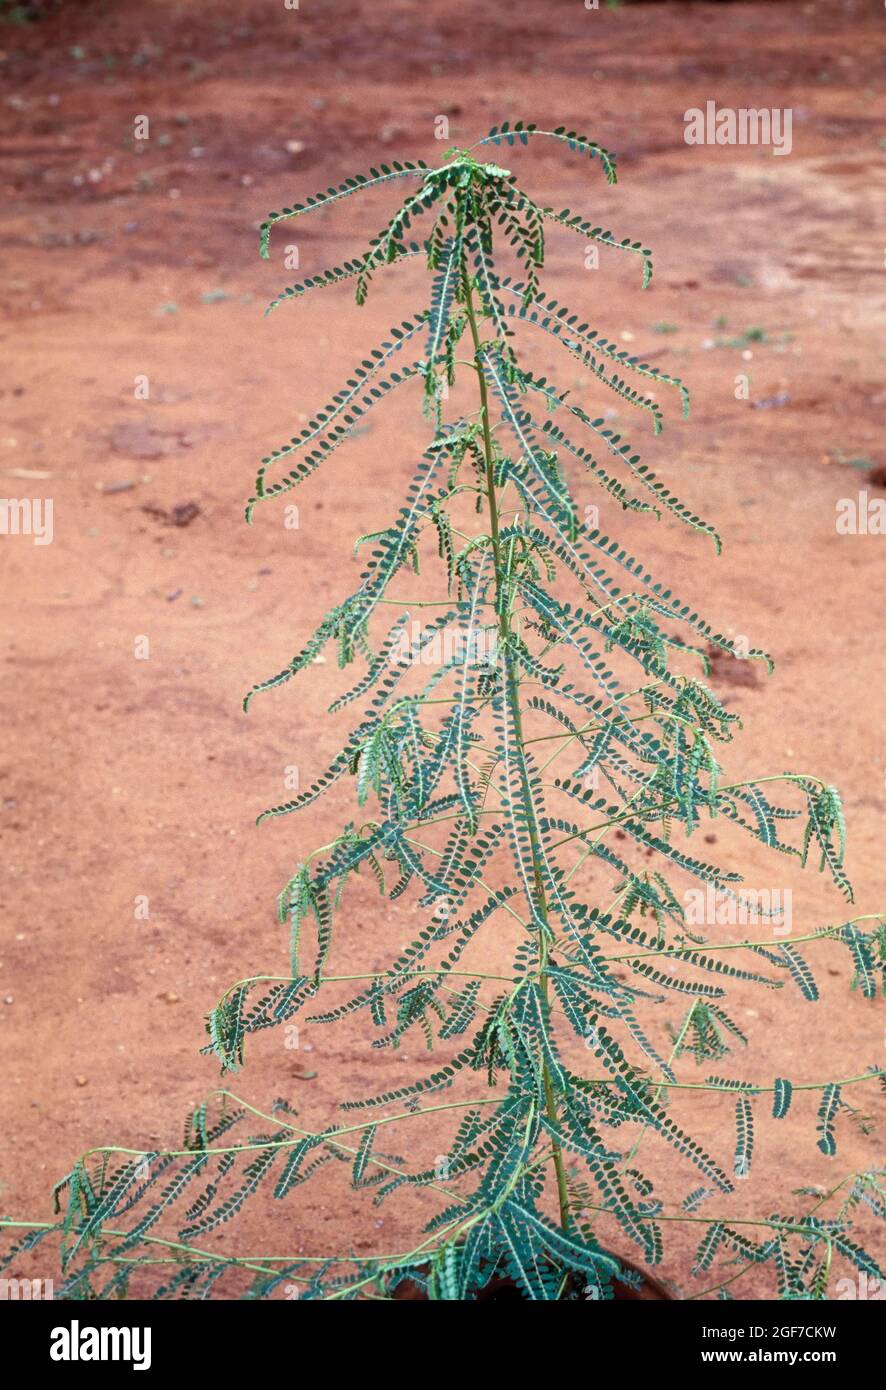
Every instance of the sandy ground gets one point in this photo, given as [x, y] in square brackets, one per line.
[124, 778]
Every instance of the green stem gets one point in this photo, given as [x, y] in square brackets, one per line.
[512, 683]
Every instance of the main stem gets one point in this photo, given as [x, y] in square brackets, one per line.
[513, 698]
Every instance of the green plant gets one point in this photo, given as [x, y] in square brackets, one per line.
[457, 799]
[14, 13]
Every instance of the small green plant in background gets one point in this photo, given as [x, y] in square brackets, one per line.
[548, 716]
[860, 461]
[30, 12]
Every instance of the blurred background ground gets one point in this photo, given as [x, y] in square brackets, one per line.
[123, 778]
